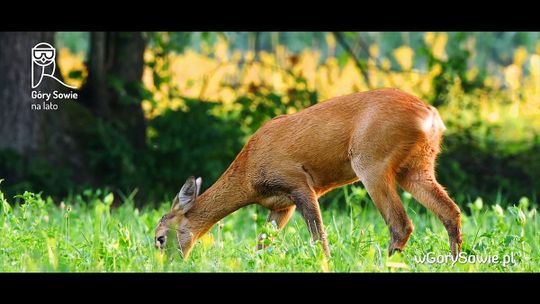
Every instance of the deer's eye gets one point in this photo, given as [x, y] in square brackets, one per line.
[161, 239]
[165, 218]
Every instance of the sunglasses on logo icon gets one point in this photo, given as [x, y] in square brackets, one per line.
[43, 55]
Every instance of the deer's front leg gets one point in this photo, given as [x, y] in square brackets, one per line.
[307, 204]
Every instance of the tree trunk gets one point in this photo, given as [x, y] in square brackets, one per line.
[55, 136]
[95, 92]
[112, 91]
[126, 67]
[20, 127]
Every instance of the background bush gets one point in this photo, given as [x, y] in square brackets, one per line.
[205, 94]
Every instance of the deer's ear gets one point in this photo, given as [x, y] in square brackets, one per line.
[186, 197]
[198, 181]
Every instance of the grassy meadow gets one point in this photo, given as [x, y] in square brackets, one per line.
[87, 233]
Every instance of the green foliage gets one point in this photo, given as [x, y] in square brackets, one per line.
[452, 68]
[190, 142]
[77, 42]
[110, 155]
[34, 174]
[87, 233]
[255, 110]
[469, 168]
[167, 42]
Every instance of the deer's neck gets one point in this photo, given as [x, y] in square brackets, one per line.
[228, 194]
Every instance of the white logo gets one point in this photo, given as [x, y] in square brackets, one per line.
[43, 54]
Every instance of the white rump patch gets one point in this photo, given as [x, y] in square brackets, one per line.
[427, 124]
[433, 122]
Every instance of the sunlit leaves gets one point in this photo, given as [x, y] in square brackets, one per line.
[404, 56]
[72, 67]
[437, 43]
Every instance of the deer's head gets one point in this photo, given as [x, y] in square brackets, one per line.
[175, 224]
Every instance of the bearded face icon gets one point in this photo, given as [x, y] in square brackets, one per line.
[43, 55]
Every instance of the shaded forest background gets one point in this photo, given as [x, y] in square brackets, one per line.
[155, 108]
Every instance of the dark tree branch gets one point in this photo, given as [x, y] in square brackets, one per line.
[361, 65]
[362, 44]
[257, 44]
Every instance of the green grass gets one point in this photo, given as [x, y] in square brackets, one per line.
[84, 234]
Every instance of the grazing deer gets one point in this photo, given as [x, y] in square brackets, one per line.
[382, 138]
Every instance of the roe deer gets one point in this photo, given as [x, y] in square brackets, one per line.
[382, 138]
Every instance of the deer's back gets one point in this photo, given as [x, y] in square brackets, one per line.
[319, 139]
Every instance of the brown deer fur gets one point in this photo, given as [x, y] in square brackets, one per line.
[383, 138]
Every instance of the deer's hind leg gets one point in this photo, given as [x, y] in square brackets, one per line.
[418, 178]
[377, 162]
[379, 181]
